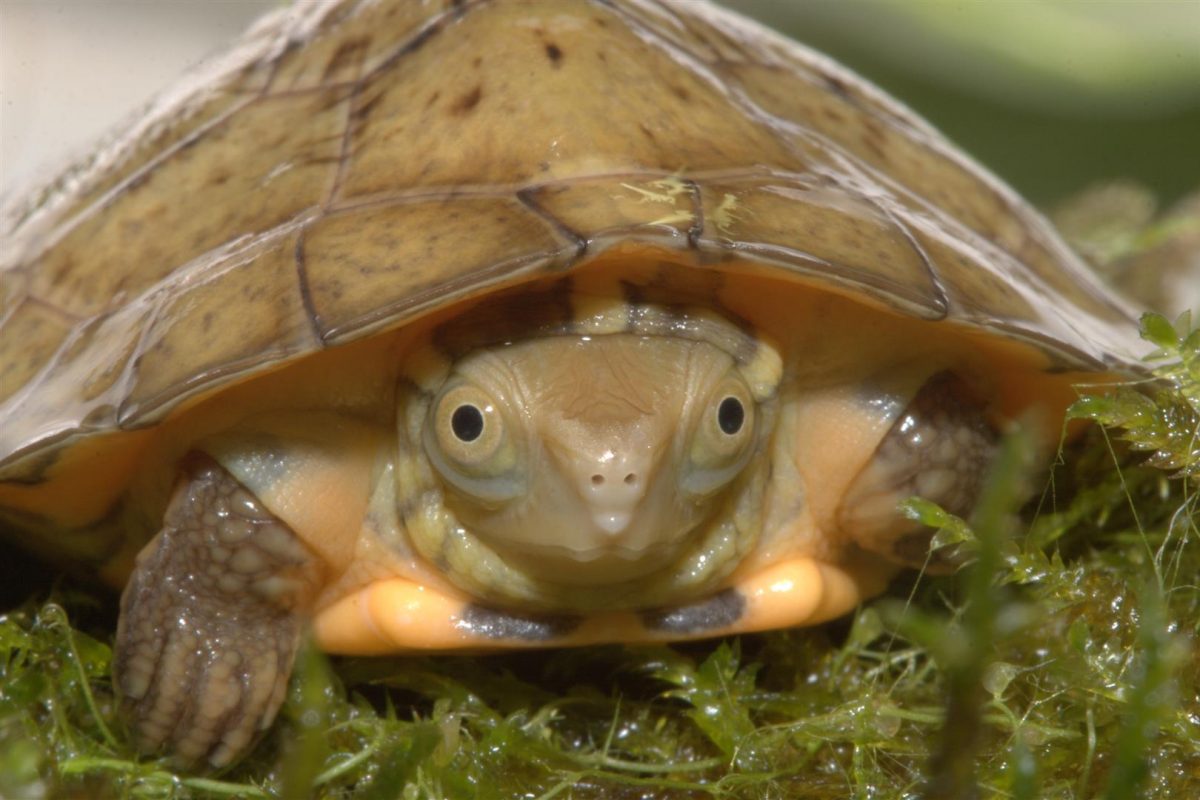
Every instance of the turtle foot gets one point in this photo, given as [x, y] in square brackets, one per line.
[210, 620]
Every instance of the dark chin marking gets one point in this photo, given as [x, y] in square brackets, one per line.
[721, 610]
[492, 623]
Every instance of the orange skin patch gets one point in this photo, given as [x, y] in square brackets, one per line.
[399, 615]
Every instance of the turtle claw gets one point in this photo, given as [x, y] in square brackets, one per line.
[210, 621]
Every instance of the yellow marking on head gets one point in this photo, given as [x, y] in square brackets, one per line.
[409, 470]
[596, 315]
[765, 370]
[427, 366]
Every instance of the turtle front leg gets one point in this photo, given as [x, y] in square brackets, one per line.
[210, 620]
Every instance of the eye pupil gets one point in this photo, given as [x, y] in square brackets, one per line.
[467, 422]
[731, 415]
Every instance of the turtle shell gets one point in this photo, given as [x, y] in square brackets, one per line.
[352, 166]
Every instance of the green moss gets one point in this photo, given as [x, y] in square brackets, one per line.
[1060, 663]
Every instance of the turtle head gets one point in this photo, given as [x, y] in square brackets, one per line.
[590, 459]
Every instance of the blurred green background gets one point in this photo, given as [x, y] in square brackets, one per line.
[1051, 95]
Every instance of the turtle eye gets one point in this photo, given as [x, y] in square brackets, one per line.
[729, 424]
[467, 422]
[939, 448]
[721, 442]
[731, 415]
[468, 428]
[471, 446]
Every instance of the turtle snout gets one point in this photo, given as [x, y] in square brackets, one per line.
[613, 491]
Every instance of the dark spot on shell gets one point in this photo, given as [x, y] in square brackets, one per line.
[363, 109]
[349, 51]
[328, 100]
[554, 54]
[682, 93]
[833, 115]
[433, 98]
[477, 62]
[468, 101]
[646, 130]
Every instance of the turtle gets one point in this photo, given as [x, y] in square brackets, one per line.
[437, 326]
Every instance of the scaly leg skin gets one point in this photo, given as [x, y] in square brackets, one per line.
[210, 620]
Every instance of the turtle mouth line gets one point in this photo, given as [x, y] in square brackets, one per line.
[591, 554]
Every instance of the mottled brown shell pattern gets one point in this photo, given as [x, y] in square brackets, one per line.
[352, 165]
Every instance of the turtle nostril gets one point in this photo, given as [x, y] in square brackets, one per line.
[630, 479]
[597, 480]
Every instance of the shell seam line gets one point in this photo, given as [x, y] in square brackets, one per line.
[306, 298]
[525, 198]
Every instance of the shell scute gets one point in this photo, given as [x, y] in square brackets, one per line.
[200, 332]
[33, 332]
[371, 265]
[150, 229]
[468, 121]
[808, 227]
[176, 120]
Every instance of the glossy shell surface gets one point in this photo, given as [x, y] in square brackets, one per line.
[350, 167]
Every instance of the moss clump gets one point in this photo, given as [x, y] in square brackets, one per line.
[1061, 662]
